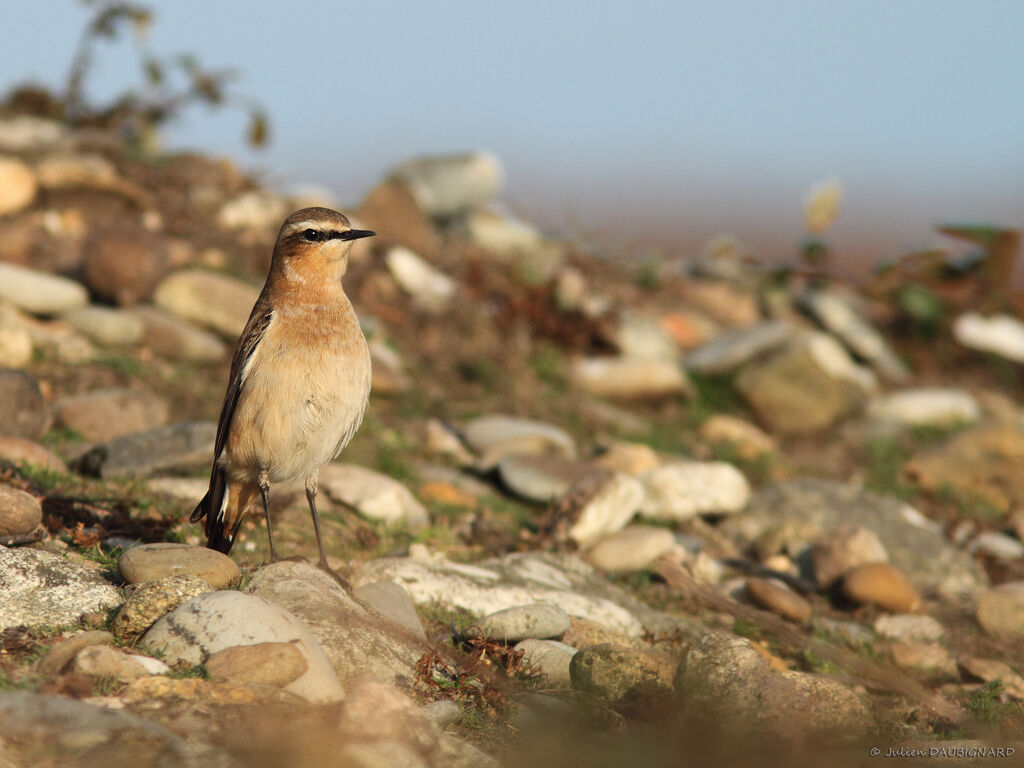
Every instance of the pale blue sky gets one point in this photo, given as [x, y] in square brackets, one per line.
[664, 120]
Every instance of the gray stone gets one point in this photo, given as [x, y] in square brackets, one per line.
[536, 620]
[549, 657]
[43, 588]
[927, 406]
[443, 712]
[373, 495]
[909, 627]
[148, 601]
[208, 299]
[200, 627]
[356, 641]
[443, 185]
[631, 549]
[495, 436]
[175, 447]
[175, 339]
[541, 478]
[23, 411]
[391, 600]
[20, 512]
[106, 414]
[630, 378]
[682, 490]
[152, 562]
[39, 292]
[110, 327]
[729, 351]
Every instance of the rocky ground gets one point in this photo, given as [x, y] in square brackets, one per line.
[601, 511]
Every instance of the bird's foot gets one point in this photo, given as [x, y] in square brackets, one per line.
[323, 566]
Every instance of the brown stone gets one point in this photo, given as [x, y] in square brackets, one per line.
[106, 414]
[276, 664]
[23, 411]
[775, 596]
[124, 266]
[60, 655]
[844, 548]
[391, 210]
[21, 451]
[1001, 610]
[20, 512]
[883, 585]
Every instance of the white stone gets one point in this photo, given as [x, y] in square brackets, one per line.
[997, 545]
[209, 299]
[373, 495]
[835, 361]
[1002, 335]
[684, 490]
[909, 627]
[838, 316]
[63, 170]
[494, 436]
[104, 325]
[550, 657]
[608, 510]
[933, 406]
[39, 292]
[17, 185]
[502, 235]
[627, 377]
[24, 132]
[640, 336]
[431, 289]
[217, 620]
[15, 347]
[446, 184]
[253, 210]
[631, 549]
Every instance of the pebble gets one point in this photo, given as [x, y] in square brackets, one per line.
[997, 544]
[749, 440]
[538, 620]
[391, 600]
[255, 210]
[607, 506]
[105, 326]
[623, 676]
[443, 185]
[176, 447]
[60, 654]
[200, 627]
[632, 549]
[842, 549]
[431, 290]
[177, 340]
[23, 411]
[123, 266]
[107, 661]
[149, 600]
[682, 490]
[208, 299]
[20, 512]
[494, 436]
[775, 596]
[44, 588]
[373, 495]
[883, 585]
[629, 458]
[106, 414]
[729, 351]
[1001, 610]
[909, 627]
[640, 336]
[443, 712]
[549, 657]
[276, 664]
[16, 347]
[927, 657]
[25, 132]
[931, 406]
[62, 170]
[503, 235]
[630, 378]
[1001, 335]
[541, 478]
[150, 562]
[38, 292]
[17, 186]
[987, 670]
[391, 210]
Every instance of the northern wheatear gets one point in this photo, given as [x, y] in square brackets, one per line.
[300, 379]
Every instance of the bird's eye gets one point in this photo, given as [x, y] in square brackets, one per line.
[310, 235]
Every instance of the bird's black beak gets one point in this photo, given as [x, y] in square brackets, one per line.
[355, 234]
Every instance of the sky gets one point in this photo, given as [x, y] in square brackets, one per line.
[628, 123]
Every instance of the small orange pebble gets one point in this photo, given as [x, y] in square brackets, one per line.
[444, 493]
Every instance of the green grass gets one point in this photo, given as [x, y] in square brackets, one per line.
[184, 671]
[885, 459]
[986, 705]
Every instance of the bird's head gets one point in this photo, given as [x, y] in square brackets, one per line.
[313, 241]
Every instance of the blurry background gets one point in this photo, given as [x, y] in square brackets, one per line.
[636, 124]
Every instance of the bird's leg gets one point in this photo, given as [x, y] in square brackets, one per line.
[264, 481]
[311, 498]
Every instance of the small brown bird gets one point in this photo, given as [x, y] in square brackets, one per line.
[300, 379]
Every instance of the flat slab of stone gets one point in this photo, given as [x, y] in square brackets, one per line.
[164, 449]
[629, 378]
[209, 299]
[494, 436]
[537, 620]
[731, 350]
[374, 495]
[683, 490]
[38, 292]
[151, 562]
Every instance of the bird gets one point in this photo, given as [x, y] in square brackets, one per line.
[299, 382]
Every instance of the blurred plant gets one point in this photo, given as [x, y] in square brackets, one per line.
[821, 208]
[171, 84]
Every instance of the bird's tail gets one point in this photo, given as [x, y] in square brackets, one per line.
[223, 506]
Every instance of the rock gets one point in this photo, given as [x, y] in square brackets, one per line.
[106, 414]
[517, 579]
[106, 661]
[723, 682]
[431, 290]
[15, 347]
[42, 588]
[389, 376]
[980, 465]
[909, 627]
[61, 654]
[109, 327]
[443, 712]
[632, 459]
[793, 514]
[536, 620]
[178, 340]
[149, 600]
[541, 478]
[807, 386]
[775, 596]
[549, 657]
[20, 512]
[998, 545]
[23, 411]
[200, 627]
[151, 562]
[26, 132]
[682, 490]
[160, 691]
[926, 657]
[624, 677]
[123, 266]
[175, 447]
[257, 209]
[729, 351]
[749, 440]
[208, 299]
[639, 336]
[17, 185]
[883, 585]
[631, 549]
[1001, 335]
[61, 171]
[929, 406]
[495, 436]
[276, 664]
[392, 601]
[373, 495]
[1000, 610]
[38, 292]
[842, 549]
[508, 237]
[391, 210]
[85, 732]
[443, 185]
[839, 318]
[597, 506]
[356, 641]
[988, 670]
[630, 378]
